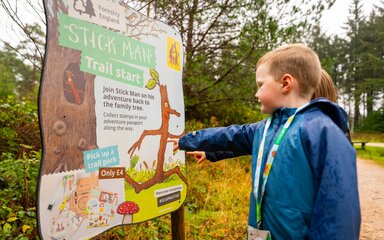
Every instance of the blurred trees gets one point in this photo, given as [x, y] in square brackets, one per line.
[7, 74]
[22, 65]
[222, 42]
[354, 52]
[356, 63]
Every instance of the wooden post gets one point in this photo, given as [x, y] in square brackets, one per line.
[177, 221]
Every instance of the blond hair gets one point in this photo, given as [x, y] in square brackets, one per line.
[297, 60]
[326, 88]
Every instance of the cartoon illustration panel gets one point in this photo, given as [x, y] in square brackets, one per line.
[110, 99]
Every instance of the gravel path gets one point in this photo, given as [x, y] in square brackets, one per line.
[371, 190]
[373, 144]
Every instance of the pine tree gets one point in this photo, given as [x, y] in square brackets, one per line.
[354, 58]
[89, 8]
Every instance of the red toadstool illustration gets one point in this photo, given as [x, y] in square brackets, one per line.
[127, 208]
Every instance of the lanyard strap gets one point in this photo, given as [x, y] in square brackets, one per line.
[268, 165]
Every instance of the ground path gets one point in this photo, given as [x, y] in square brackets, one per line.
[374, 144]
[371, 190]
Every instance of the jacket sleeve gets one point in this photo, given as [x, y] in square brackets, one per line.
[220, 155]
[235, 138]
[336, 213]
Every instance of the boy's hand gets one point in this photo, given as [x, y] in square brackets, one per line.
[198, 155]
[175, 142]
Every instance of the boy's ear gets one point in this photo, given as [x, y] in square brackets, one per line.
[287, 83]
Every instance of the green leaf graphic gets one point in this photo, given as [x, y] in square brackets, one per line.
[154, 74]
[134, 161]
[151, 84]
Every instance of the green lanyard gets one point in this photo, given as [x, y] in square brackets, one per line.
[268, 165]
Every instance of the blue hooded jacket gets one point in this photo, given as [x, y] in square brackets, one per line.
[311, 191]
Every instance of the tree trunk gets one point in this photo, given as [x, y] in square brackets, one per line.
[356, 110]
[68, 126]
[369, 101]
[191, 20]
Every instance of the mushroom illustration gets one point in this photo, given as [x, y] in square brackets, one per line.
[127, 208]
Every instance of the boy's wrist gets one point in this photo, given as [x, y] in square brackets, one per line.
[181, 143]
[210, 156]
[186, 142]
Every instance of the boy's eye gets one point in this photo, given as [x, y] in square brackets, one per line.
[259, 83]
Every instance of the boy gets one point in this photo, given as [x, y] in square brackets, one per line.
[301, 152]
[326, 89]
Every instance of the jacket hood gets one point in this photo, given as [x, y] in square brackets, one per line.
[331, 109]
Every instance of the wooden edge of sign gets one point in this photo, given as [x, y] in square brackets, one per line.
[177, 222]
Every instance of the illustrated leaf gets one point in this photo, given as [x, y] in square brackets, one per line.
[151, 84]
[134, 160]
[154, 74]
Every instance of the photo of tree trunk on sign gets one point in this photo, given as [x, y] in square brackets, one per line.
[65, 135]
[166, 112]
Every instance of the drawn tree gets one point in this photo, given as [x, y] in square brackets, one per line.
[79, 6]
[89, 8]
[138, 25]
[166, 112]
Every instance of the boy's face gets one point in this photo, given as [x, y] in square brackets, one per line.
[269, 92]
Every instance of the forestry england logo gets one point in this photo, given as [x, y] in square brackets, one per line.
[84, 6]
[106, 13]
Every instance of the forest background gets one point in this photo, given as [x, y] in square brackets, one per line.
[222, 41]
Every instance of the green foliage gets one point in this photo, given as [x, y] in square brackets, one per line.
[194, 125]
[18, 196]
[374, 122]
[234, 113]
[217, 202]
[30, 52]
[19, 127]
[7, 80]
[9, 66]
[355, 63]
[223, 41]
[17, 77]
[19, 168]
[369, 137]
[373, 153]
